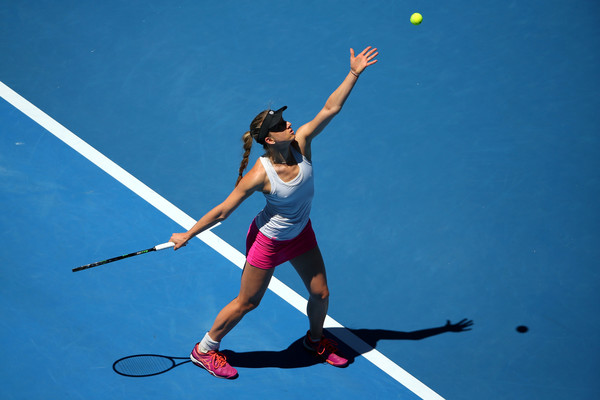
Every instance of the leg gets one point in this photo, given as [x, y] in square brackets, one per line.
[252, 289]
[311, 268]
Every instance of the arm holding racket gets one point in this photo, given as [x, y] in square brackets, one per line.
[253, 181]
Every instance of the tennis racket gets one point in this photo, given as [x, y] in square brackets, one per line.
[143, 365]
[137, 253]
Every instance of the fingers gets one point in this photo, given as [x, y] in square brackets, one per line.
[351, 52]
[179, 245]
[371, 55]
[179, 240]
[368, 55]
[369, 52]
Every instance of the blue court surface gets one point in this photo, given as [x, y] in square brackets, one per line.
[461, 180]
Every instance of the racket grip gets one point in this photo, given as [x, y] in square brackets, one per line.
[164, 246]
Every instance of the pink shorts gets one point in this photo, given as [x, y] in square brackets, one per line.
[265, 253]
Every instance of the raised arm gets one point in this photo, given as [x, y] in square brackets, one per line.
[336, 100]
[253, 181]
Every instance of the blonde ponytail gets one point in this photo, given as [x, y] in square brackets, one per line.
[247, 139]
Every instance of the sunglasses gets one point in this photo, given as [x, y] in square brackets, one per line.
[280, 126]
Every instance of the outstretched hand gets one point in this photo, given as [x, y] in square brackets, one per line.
[363, 59]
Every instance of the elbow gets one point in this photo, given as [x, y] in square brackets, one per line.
[222, 216]
[222, 213]
[333, 110]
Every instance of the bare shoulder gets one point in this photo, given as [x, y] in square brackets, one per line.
[256, 178]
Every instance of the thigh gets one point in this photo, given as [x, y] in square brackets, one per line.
[311, 268]
[255, 282]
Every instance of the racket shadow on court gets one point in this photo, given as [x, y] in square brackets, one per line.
[146, 365]
[294, 356]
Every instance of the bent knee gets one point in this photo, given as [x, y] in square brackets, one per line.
[320, 295]
[245, 306]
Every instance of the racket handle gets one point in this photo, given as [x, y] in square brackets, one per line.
[164, 246]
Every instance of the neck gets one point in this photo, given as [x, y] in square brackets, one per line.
[280, 155]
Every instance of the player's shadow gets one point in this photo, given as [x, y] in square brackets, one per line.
[296, 356]
[352, 343]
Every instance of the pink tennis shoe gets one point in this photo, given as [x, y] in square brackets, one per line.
[214, 362]
[325, 349]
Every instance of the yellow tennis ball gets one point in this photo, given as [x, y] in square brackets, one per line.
[416, 19]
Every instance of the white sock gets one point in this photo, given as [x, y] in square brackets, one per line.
[207, 344]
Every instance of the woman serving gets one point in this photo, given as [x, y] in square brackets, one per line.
[282, 230]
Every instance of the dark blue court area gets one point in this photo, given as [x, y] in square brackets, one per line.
[460, 181]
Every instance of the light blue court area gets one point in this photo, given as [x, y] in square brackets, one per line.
[461, 180]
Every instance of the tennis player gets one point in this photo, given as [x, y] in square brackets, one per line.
[282, 231]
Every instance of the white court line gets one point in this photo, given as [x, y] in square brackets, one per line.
[211, 239]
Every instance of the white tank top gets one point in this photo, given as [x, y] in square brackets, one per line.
[288, 204]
